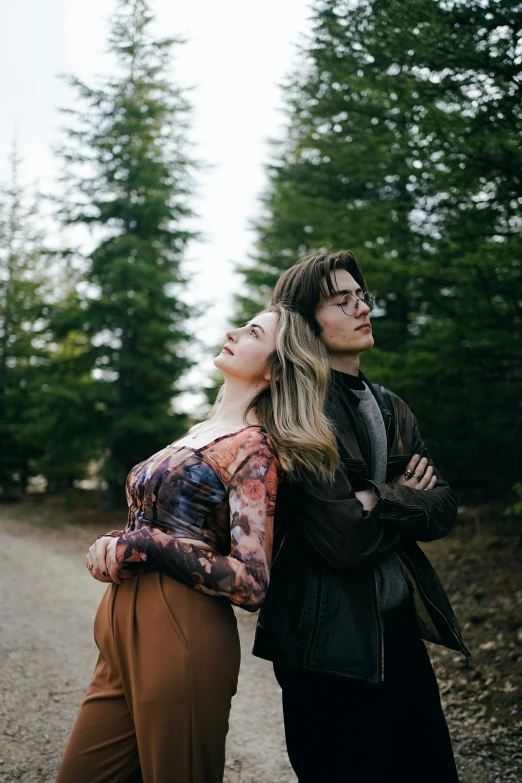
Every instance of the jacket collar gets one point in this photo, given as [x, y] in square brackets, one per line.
[338, 380]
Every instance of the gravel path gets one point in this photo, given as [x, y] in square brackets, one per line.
[47, 655]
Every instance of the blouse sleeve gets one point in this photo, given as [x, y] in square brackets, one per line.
[241, 577]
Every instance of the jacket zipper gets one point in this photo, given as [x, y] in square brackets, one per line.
[278, 550]
[387, 426]
[315, 627]
[377, 615]
[378, 622]
[462, 649]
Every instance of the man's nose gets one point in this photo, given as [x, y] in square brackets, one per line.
[362, 307]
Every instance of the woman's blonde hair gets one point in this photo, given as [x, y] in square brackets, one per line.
[291, 409]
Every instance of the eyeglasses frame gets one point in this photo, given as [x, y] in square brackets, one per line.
[357, 300]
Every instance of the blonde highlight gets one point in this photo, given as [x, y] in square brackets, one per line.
[292, 409]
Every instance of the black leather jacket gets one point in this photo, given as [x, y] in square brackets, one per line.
[321, 610]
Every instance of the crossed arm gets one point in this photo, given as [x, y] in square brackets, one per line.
[419, 474]
[348, 529]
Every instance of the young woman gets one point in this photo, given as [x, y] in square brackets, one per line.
[198, 539]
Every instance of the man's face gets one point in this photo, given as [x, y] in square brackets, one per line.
[341, 333]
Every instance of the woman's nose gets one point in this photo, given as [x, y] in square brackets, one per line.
[231, 335]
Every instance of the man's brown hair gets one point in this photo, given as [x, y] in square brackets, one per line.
[302, 286]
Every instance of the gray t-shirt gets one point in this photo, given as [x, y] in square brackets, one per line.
[392, 588]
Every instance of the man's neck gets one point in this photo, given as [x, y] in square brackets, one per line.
[348, 364]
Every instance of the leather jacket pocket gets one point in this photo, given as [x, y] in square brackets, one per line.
[357, 472]
[295, 613]
[396, 466]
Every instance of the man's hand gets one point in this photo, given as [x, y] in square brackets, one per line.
[418, 474]
[102, 559]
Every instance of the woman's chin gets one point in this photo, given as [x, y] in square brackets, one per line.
[220, 361]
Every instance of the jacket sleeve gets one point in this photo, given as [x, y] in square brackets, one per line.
[333, 523]
[331, 520]
[419, 515]
[241, 577]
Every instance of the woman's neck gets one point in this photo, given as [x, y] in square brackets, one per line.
[234, 404]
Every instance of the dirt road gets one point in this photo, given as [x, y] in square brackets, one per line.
[47, 654]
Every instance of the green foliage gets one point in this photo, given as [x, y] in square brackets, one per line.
[128, 178]
[404, 125]
[70, 424]
[516, 508]
[24, 351]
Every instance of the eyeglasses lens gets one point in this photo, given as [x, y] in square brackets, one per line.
[349, 302]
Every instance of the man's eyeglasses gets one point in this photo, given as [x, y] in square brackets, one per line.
[349, 303]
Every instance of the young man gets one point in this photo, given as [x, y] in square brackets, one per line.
[351, 593]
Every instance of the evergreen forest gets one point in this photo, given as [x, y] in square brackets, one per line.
[402, 142]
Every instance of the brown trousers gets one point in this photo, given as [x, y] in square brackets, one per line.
[157, 708]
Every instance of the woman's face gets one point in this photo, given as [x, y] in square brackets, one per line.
[247, 350]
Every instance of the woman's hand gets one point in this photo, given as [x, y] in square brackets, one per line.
[102, 559]
[418, 474]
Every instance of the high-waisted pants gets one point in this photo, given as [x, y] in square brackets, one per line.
[158, 706]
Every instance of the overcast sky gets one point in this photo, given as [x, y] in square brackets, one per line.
[236, 55]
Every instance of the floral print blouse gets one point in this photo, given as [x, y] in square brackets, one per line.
[221, 495]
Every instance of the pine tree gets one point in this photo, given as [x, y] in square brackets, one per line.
[345, 176]
[403, 144]
[463, 62]
[128, 179]
[71, 423]
[24, 313]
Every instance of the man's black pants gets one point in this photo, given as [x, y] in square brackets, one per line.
[351, 731]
